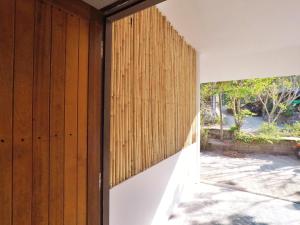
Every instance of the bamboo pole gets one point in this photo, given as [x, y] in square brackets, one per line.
[153, 93]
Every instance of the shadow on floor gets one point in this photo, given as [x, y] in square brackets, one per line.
[235, 219]
[296, 205]
[278, 176]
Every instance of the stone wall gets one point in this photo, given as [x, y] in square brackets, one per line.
[214, 133]
[284, 147]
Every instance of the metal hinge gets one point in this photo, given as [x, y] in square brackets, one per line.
[100, 180]
[102, 49]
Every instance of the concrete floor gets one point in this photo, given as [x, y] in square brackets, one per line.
[255, 190]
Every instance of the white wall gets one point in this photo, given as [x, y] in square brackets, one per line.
[149, 197]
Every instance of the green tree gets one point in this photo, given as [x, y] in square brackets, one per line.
[220, 88]
[276, 94]
[238, 92]
[207, 91]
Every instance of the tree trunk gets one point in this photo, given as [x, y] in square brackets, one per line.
[238, 106]
[236, 112]
[213, 106]
[221, 117]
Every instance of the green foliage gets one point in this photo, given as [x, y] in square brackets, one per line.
[276, 94]
[252, 138]
[269, 133]
[292, 130]
[233, 129]
[237, 93]
[269, 129]
[203, 138]
[244, 113]
[289, 111]
[206, 90]
[217, 120]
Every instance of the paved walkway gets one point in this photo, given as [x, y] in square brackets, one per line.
[255, 190]
[275, 176]
[251, 123]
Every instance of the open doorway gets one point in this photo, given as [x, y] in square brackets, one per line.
[249, 155]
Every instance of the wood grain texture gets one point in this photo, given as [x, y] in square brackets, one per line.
[7, 17]
[94, 124]
[152, 93]
[22, 128]
[44, 73]
[82, 121]
[71, 114]
[41, 116]
[74, 7]
[57, 118]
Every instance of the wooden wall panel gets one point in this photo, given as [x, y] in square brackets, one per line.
[46, 103]
[82, 122]
[22, 129]
[94, 124]
[71, 115]
[152, 93]
[7, 9]
[41, 116]
[57, 117]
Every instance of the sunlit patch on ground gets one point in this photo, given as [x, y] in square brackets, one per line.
[254, 190]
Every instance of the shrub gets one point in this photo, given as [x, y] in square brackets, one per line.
[217, 120]
[252, 138]
[292, 130]
[203, 138]
[269, 129]
[289, 111]
[233, 129]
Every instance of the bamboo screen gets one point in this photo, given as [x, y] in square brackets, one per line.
[153, 93]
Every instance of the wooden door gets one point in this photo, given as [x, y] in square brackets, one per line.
[47, 92]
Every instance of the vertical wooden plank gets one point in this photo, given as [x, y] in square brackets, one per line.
[82, 121]
[106, 121]
[122, 121]
[41, 126]
[71, 101]
[151, 159]
[131, 96]
[137, 95]
[57, 117]
[7, 9]
[119, 87]
[147, 87]
[115, 92]
[94, 123]
[22, 128]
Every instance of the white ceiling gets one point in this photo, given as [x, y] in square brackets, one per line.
[236, 25]
[240, 38]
